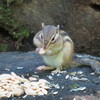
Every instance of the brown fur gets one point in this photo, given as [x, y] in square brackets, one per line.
[68, 55]
[62, 48]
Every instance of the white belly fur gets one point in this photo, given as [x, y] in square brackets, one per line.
[54, 61]
[63, 56]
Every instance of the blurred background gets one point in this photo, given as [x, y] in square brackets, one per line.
[20, 20]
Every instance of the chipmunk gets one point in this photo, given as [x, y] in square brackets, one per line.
[55, 46]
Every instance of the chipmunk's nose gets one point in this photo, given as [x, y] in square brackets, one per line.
[45, 41]
[44, 47]
[45, 44]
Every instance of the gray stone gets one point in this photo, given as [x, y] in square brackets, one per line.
[25, 63]
[81, 19]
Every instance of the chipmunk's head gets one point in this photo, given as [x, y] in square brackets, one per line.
[48, 38]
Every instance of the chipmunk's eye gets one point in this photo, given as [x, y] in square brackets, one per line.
[41, 36]
[53, 39]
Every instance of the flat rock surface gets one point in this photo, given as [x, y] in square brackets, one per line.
[79, 83]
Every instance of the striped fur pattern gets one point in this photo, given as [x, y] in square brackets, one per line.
[58, 43]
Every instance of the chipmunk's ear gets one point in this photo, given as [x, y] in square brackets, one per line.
[43, 25]
[58, 26]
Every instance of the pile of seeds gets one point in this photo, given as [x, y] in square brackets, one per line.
[13, 85]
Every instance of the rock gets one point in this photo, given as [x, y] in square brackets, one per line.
[26, 62]
[81, 19]
[14, 60]
[87, 97]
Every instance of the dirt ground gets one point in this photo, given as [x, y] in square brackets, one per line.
[79, 83]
